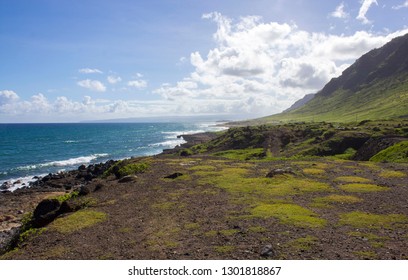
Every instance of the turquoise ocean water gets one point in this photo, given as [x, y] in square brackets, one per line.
[28, 150]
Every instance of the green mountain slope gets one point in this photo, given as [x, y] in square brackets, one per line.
[374, 87]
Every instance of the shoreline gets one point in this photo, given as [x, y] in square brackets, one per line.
[14, 205]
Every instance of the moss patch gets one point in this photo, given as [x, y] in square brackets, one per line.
[395, 153]
[223, 249]
[392, 174]
[374, 240]
[352, 179]
[243, 154]
[78, 220]
[359, 219]
[335, 198]
[291, 214]
[314, 171]
[361, 188]
[303, 244]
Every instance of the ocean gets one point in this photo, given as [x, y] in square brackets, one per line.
[29, 150]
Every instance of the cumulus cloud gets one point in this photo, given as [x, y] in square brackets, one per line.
[89, 71]
[261, 67]
[365, 6]
[139, 84]
[93, 85]
[114, 79]
[403, 5]
[339, 12]
[8, 96]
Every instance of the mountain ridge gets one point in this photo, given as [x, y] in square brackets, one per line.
[375, 86]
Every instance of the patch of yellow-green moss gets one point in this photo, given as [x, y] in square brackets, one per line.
[290, 214]
[362, 188]
[367, 255]
[78, 220]
[303, 243]
[314, 171]
[327, 201]
[224, 249]
[375, 241]
[392, 174]
[352, 179]
[257, 229]
[359, 219]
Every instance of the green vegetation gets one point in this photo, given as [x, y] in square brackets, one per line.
[31, 233]
[324, 202]
[224, 249]
[77, 221]
[291, 214]
[67, 196]
[359, 219]
[392, 174]
[352, 179]
[243, 154]
[125, 167]
[395, 153]
[362, 188]
[374, 240]
[303, 243]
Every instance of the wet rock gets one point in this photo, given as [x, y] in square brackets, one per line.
[45, 212]
[82, 168]
[279, 171]
[174, 175]
[5, 186]
[267, 251]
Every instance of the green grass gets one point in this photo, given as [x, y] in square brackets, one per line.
[384, 99]
[242, 154]
[395, 153]
[363, 188]
[77, 221]
[290, 214]
[359, 219]
[314, 171]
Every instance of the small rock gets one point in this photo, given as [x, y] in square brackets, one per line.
[267, 251]
[82, 168]
[174, 175]
[128, 179]
[279, 171]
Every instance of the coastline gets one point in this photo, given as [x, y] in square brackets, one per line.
[14, 205]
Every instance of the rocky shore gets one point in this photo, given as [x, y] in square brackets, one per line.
[14, 206]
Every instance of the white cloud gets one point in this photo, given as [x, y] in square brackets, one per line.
[94, 85]
[8, 96]
[89, 71]
[403, 5]
[339, 12]
[114, 79]
[365, 6]
[263, 67]
[139, 84]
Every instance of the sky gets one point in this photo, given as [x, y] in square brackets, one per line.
[69, 61]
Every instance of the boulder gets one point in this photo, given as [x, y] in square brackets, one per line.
[45, 212]
[279, 171]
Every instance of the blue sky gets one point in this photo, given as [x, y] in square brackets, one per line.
[67, 61]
